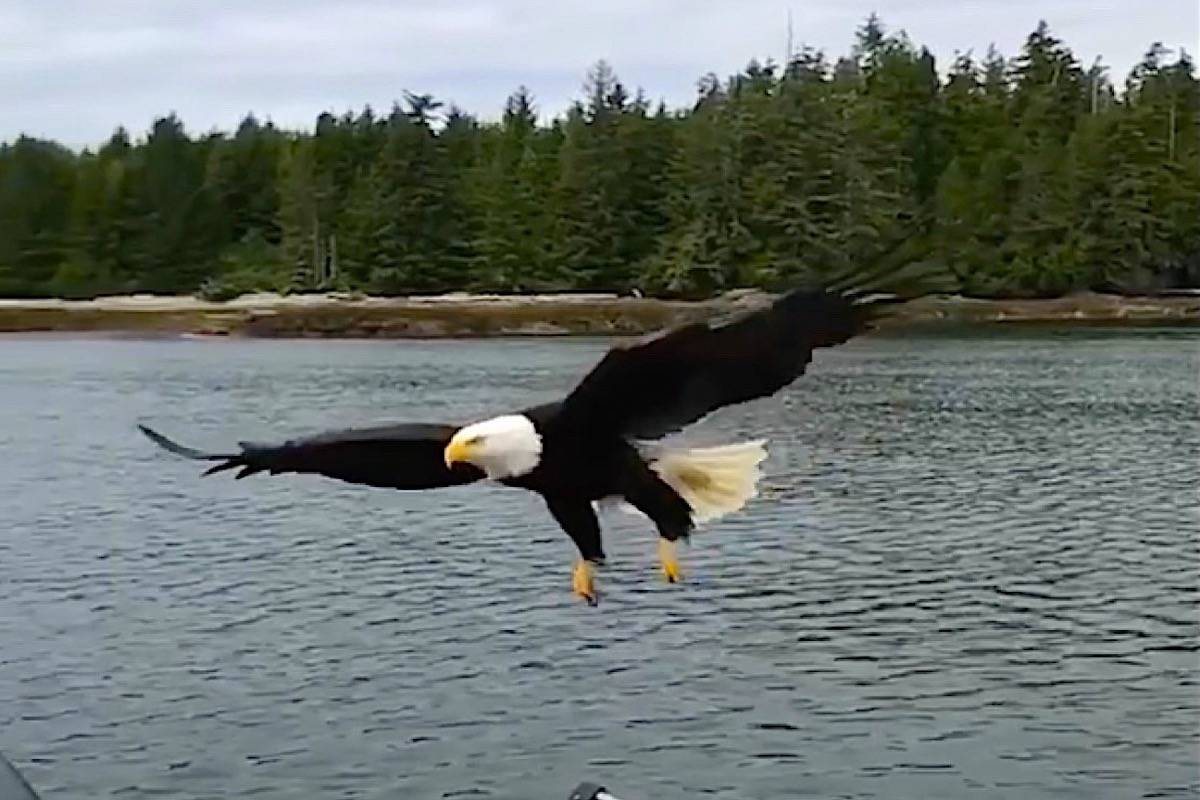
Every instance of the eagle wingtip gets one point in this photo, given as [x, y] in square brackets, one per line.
[155, 436]
[178, 449]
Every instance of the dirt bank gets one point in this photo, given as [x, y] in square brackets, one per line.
[450, 316]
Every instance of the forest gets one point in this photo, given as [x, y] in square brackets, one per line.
[1029, 176]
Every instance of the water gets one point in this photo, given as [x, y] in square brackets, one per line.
[973, 574]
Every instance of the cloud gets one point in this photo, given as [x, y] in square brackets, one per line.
[74, 70]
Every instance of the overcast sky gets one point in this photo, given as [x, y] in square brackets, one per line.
[75, 69]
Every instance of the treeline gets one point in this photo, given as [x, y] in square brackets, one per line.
[1025, 177]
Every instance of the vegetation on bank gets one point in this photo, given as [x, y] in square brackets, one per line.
[1029, 177]
[555, 315]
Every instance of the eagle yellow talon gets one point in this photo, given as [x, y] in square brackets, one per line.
[583, 584]
[670, 564]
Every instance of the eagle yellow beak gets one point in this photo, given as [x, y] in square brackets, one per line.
[457, 451]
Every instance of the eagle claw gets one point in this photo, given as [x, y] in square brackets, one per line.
[583, 584]
[670, 563]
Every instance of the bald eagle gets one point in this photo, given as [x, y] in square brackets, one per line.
[598, 442]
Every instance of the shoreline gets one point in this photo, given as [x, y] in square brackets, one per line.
[463, 315]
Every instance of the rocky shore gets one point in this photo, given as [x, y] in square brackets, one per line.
[462, 315]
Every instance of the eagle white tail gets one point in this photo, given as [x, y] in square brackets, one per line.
[713, 480]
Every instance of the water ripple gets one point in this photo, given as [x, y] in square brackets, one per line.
[972, 573]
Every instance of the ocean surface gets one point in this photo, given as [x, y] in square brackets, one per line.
[972, 572]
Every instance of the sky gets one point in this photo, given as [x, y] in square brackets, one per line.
[73, 70]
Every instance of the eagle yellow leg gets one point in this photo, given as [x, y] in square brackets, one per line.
[670, 563]
[583, 583]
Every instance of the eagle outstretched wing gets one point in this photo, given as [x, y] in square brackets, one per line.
[402, 456]
[657, 386]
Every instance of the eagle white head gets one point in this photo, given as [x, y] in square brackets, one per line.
[503, 447]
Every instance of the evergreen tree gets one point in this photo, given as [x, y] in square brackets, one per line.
[98, 238]
[399, 222]
[513, 221]
[174, 220]
[1028, 177]
[36, 183]
[303, 243]
[242, 173]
